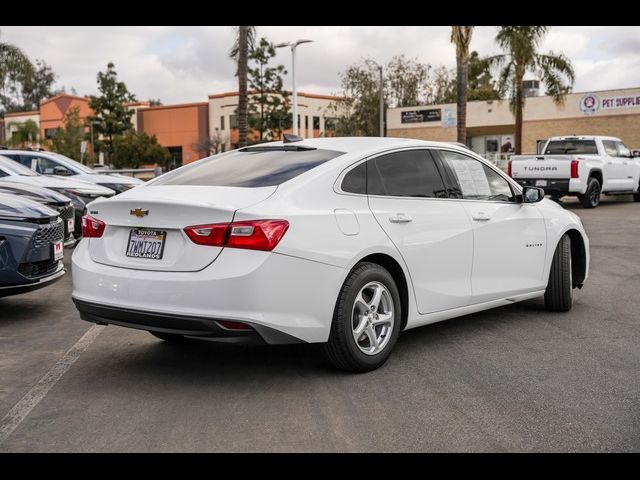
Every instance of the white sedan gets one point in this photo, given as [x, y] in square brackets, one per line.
[340, 241]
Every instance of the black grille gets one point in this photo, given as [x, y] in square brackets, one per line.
[38, 269]
[50, 233]
[65, 211]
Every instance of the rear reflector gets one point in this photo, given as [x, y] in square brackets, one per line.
[229, 325]
[509, 168]
[252, 235]
[574, 169]
[92, 227]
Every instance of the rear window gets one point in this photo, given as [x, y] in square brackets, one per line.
[562, 147]
[254, 167]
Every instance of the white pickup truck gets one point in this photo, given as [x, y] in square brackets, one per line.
[582, 166]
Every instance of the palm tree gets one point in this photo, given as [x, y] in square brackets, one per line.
[240, 53]
[461, 38]
[521, 45]
[13, 61]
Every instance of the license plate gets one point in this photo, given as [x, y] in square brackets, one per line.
[71, 225]
[58, 250]
[146, 244]
[541, 183]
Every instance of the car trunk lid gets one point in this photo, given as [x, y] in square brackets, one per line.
[161, 213]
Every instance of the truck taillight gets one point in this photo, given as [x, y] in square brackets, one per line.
[574, 169]
[509, 168]
[92, 227]
[252, 235]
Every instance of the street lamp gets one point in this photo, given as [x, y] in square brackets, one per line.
[93, 150]
[293, 46]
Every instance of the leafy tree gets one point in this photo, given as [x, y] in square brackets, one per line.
[521, 44]
[406, 81]
[240, 53]
[112, 115]
[134, 149]
[26, 134]
[14, 64]
[39, 86]
[441, 87]
[67, 140]
[358, 111]
[481, 83]
[461, 38]
[269, 103]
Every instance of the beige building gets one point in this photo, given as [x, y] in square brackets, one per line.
[491, 128]
[313, 116]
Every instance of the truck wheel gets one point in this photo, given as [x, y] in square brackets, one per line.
[591, 198]
[559, 294]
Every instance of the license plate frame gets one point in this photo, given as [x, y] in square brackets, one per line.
[150, 252]
[542, 183]
[71, 225]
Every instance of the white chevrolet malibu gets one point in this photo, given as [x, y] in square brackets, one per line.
[340, 241]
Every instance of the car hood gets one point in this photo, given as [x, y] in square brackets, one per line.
[18, 208]
[32, 192]
[104, 178]
[58, 183]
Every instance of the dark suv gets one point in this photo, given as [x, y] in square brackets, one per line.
[51, 199]
[31, 245]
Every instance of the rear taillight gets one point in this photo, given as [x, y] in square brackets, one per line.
[574, 169]
[252, 235]
[509, 168]
[92, 227]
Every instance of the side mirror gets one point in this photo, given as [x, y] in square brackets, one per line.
[532, 194]
[61, 171]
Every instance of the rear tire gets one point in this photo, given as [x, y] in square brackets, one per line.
[591, 197]
[168, 337]
[559, 294]
[363, 333]
[636, 196]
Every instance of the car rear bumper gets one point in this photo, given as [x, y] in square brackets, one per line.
[6, 291]
[554, 186]
[268, 291]
[207, 328]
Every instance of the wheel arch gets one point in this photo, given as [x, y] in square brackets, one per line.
[578, 257]
[597, 174]
[397, 272]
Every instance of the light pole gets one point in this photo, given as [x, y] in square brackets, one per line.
[293, 46]
[381, 102]
[93, 150]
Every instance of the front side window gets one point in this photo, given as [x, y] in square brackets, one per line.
[251, 167]
[610, 148]
[475, 180]
[411, 173]
[623, 150]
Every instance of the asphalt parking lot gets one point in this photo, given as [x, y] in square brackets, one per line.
[512, 379]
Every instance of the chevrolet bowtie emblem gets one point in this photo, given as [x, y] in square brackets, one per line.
[139, 212]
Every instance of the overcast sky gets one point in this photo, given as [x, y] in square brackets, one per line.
[185, 64]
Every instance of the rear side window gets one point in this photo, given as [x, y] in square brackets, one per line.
[356, 180]
[253, 167]
[563, 147]
[410, 173]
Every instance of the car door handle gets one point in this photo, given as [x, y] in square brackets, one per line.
[400, 218]
[481, 217]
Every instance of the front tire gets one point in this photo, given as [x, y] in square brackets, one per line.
[366, 320]
[559, 294]
[591, 197]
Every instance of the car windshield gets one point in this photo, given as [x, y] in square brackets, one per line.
[73, 164]
[16, 168]
[562, 147]
[251, 167]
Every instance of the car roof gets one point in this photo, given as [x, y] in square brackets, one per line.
[361, 144]
[584, 137]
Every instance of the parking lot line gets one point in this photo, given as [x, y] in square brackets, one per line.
[20, 410]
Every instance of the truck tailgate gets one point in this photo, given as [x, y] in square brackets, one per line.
[541, 166]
